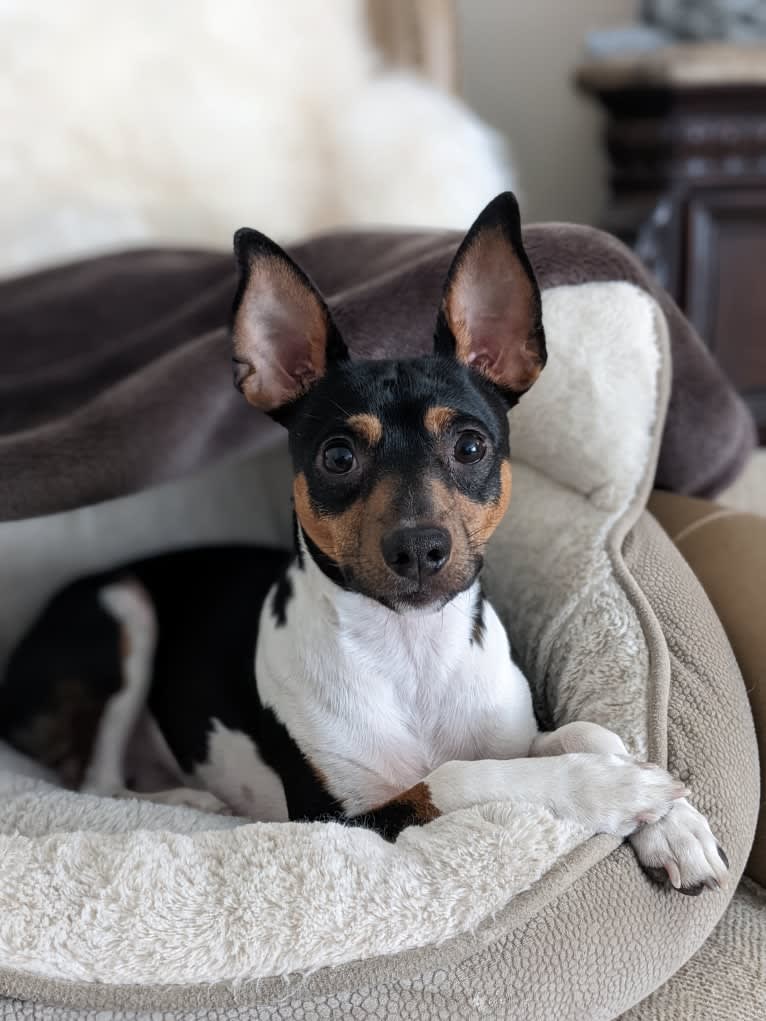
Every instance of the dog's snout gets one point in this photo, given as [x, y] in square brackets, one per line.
[416, 553]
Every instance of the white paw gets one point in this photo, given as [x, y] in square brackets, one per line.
[616, 795]
[681, 849]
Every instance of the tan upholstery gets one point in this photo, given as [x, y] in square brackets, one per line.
[727, 551]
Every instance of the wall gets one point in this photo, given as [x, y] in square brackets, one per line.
[518, 58]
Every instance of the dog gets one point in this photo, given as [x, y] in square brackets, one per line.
[384, 692]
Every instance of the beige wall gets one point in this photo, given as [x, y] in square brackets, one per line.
[517, 62]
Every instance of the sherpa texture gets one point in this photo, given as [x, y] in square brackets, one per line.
[178, 122]
[87, 893]
[724, 980]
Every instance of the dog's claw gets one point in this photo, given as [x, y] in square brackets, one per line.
[674, 874]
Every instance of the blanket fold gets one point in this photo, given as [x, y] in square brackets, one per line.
[115, 374]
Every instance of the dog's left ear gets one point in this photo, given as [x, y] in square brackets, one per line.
[283, 334]
[491, 314]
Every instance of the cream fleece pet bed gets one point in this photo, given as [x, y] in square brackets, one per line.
[504, 900]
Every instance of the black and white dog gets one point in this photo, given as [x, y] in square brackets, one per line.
[365, 677]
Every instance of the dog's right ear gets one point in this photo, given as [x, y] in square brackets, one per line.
[283, 335]
[491, 314]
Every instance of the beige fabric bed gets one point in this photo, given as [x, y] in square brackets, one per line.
[725, 978]
[512, 913]
[582, 943]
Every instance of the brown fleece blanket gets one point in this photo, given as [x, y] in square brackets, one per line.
[115, 371]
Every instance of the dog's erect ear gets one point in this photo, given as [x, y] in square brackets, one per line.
[491, 315]
[284, 337]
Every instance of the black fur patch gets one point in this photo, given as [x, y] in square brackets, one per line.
[297, 543]
[306, 795]
[283, 593]
[59, 679]
[478, 627]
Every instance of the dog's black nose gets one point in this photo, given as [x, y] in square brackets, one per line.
[415, 553]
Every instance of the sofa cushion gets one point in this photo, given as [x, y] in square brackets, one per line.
[726, 549]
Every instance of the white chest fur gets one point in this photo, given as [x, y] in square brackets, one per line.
[377, 699]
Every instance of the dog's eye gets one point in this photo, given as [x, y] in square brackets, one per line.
[470, 447]
[338, 457]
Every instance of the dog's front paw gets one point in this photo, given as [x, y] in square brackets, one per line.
[617, 795]
[681, 849]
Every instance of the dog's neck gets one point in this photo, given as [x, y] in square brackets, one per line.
[380, 698]
[446, 631]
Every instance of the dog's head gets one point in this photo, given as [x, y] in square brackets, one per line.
[402, 467]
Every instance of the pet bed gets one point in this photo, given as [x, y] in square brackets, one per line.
[130, 908]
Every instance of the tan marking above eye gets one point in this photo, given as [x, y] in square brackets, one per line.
[368, 427]
[438, 419]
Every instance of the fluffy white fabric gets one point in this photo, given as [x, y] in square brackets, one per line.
[183, 120]
[258, 899]
[92, 888]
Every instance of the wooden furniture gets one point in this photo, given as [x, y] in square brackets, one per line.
[686, 139]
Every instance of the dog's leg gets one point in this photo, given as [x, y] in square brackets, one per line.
[679, 848]
[606, 793]
[129, 603]
[578, 737]
[185, 797]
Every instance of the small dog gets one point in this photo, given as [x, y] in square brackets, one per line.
[384, 692]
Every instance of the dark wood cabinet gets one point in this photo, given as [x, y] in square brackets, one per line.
[687, 155]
